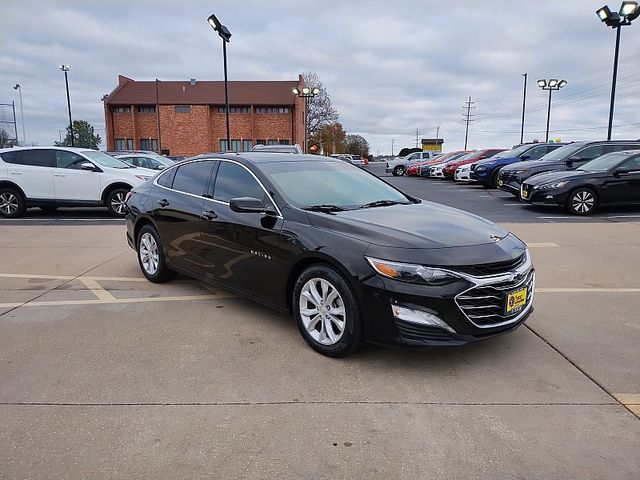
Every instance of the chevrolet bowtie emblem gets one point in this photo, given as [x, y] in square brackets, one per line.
[495, 238]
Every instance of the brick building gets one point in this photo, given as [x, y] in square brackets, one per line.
[188, 118]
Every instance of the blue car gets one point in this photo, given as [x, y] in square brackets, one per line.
[486, 171]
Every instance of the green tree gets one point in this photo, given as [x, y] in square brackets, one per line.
[84, 136]
[356, 144]
[330, 138]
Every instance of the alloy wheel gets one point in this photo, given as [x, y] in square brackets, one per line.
[8, 203]
[583, 201]
[118, 203]
[148, 251]
[322, 311]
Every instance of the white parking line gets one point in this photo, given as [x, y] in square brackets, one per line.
[542, 245]
[587, 290]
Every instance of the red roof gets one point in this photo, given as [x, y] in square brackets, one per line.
[132, 92]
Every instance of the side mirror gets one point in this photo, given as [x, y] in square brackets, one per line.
[161, 167]
[569, 163]
[88, 166]
[525, 157]
[250, 205]
[620, 171]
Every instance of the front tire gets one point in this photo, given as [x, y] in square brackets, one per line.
[12, 203]
[327, 311]
[582, 201]
[151, 256]
[398, 171]
[116, 202]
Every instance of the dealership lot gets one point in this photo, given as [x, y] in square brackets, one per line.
[105, 375]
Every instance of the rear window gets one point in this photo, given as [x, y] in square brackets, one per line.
[166, 179]
[193, 177]
[33, 158]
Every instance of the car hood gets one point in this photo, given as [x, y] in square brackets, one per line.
[542, 178]
[423, 225]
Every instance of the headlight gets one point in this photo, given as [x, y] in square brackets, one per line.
[406, 272]
[518, 172]
[546, 186]
[144, 178]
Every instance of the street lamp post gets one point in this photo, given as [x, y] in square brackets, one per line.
[19, 88]
[225, 35]
[629, 11]
[306, 93]
[65, 69]
[551, 85]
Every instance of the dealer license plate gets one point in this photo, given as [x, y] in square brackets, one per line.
[516, 300]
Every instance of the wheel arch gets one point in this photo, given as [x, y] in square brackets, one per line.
[7, 183]
[304, 263]
[111, 187]
[141, 222]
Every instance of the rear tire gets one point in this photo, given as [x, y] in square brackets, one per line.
[494, 180]
[328, 312]
[116, 202]
[12, 203]
[151, 256]
[582, 201]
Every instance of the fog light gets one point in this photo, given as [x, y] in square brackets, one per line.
[549, 197]
[420, 317]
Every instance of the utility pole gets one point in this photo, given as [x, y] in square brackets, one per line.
[392, 142]
[524, 104]
[417, 135]
[437, 133]
[467, 118]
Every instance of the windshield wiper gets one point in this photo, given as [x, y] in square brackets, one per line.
[382, 203]
[325, 208]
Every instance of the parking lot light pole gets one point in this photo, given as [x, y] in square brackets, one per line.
[19, 88]
[225, 35]
[306, 93]
[65, 69]
[551, 85]
[629, 11]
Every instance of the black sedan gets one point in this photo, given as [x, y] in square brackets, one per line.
[568, 157]
[613, 179]
[353, 258]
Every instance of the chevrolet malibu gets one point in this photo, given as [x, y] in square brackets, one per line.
[350, 256]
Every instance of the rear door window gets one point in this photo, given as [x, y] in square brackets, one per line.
[590, 153]
[536, 152]
[33, 158]
[193, 177]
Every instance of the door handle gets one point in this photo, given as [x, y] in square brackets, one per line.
[163, 203]
[59, 175]
[16, 173]
[209, 214]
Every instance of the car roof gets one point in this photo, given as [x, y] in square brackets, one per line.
[48, 147]
[268, 157]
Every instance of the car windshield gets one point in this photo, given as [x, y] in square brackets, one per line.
[514, 152]
[563, 153]
[467, 156]
[605, 162]
[307, 184]
[104, 160]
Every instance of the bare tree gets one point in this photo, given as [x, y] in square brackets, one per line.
[321, 111]
[6, 140]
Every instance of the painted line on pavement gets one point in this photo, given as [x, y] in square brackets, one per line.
[542, 245]
[588, 290]
[631, 401]
[54, 303]
[97, 289]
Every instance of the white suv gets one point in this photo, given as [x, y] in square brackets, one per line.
[52, 177]
[398, 166]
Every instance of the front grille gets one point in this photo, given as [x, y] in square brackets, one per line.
[495, 268]
[485, 305]
[506, 176]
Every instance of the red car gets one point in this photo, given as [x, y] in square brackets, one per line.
[450, 170]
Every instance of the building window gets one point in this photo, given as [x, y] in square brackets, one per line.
[273, 142]
[146, 109]
[261, 141]
[284, 142]
[234, 110]
[149, 144]
[272, 110]
[235, 145]
[121, 109]
[183, 108]
[223, 146]
[247, 145]
[124, 144]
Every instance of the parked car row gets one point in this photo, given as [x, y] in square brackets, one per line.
[354, 159]
[579, 176]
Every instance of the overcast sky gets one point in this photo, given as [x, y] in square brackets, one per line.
[389, 67]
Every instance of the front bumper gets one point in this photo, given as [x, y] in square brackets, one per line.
[509, 184]
[464, 307]
[547, 197]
